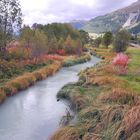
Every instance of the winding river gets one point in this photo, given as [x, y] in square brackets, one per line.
[34, 114]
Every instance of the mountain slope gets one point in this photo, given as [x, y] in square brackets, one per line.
[128, 18]
[78, 24]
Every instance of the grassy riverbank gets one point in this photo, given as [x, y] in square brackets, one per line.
[106, 103]
[28, 79]
[76, 60]
[21, 76]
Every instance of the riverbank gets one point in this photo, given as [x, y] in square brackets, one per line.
[76, 60]
[26, 79]
[107, 104]
[39, 112]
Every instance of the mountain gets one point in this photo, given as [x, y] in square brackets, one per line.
[128, 18]
[78, 24]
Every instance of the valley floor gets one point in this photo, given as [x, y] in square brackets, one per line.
[107, 104]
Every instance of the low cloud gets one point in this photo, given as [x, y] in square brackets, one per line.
[48, 11]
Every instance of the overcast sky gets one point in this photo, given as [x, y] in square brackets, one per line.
[48, 11]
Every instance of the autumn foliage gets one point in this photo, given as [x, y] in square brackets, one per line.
[61, 52]
[120, 62]
[28, 79]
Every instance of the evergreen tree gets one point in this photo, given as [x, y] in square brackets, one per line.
[97, 42]
[84, 36]
[121, 41]
[107, 39]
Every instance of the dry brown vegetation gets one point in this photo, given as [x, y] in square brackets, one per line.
[27, 79]
[67, 133]
[119, 95]
[18, 83]
[109, 107]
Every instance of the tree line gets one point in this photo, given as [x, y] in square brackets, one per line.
[119, 40]
[38, 39]
[53, 38]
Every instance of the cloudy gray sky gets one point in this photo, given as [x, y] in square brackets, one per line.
[48, 11]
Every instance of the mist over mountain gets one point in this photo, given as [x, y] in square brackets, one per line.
[127, 18]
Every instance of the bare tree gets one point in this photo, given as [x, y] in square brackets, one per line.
[10, 19]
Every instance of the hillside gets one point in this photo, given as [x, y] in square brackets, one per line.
[78, 24]
[128, 18]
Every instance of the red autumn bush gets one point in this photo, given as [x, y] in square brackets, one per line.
[120, 61]
[61, 52]
[54, 57]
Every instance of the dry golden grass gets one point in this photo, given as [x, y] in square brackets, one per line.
[111, 114]
[100, 118]
[79, 102]
[104, 80]
[91, 136]
[39, 75]
[135, 136]
[102, 75]
[66, 133]
[106, 54]
[19, 83]
[119, 95]
[130, 124]
[27, 79]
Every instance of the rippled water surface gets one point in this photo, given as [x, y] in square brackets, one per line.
[34, 114]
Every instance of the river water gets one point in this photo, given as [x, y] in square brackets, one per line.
[35, 114]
